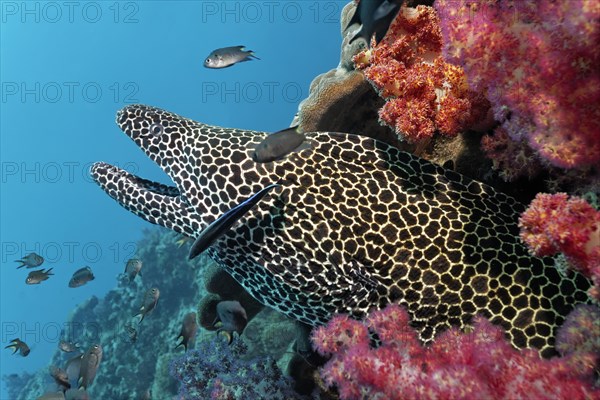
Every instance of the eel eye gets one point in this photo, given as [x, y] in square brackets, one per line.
[156, 129]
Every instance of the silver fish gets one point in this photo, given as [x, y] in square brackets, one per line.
[150, 301]
[31, 260]
[188, 331]
[231, 317]
[36, 277]
[60, 377]
[81, 277]
[227, 56]
[133, 268]
[279, 144]
[68, 347]
[20, 346]
[222, 224]
[89, 365]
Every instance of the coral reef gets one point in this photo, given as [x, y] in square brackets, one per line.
[423, 93]
[556, 223]
[535, 61]
[130, 368]
[475, 365]
[579, 336]
[218, 370]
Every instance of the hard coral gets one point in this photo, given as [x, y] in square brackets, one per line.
[219, 371]
[424, 94]
[536, 62]
[476, 365]
[556, 223]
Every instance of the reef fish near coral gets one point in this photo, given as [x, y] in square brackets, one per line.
[279, 144]
[20, 346]
[441, 244]
[150, 301]
[375, 17]
[90, 361]
[228, 56]
[31, 260]
[81, 277]
[189, 327]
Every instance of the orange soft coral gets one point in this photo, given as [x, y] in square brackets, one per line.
[424, 94]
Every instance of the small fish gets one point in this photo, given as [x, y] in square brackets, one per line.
[52, 396]
[150, 301]
[77, 394]
[231, 317]
[81, 277]
[227, 56]
[20, 346]
[73, 367]
[89, 365]
[36, 277]
[31, 260]
[132, 333]
[60, 377]
[133, 268]
[279, 144]
[375, 17]
[188, 331]
[68, 347]
[219, 226]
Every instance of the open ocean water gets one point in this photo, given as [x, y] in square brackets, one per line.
[66, 68]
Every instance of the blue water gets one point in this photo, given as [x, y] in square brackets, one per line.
[66, 68]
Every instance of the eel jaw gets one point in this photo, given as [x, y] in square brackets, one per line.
[156, 203]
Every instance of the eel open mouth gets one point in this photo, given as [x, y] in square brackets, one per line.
[160, 135]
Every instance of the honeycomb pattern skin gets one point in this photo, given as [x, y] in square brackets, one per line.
[356, 225]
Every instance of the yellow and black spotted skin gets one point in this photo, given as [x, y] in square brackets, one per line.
[357, 224]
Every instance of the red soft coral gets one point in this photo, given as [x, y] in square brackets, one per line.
[556, 223]
[537, 63]
[424, 94]
[476, 365]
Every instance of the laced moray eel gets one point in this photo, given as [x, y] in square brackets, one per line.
[357, 224]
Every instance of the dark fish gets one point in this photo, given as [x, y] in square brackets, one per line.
[60, 377]
[68, 347]
[81, 277]
[279, 144]
[188, 331]
[89, 365]
[20, 346]
[52, 396]
[36, 277]
[131, 333]
[73, 367]
[375, 17]
[150, 301]
[212, 232]
[77, 394]
[133, 268]
[31, 260]
[231, 317]
[227, 56]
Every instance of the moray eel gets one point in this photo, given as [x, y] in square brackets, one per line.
[357, 224]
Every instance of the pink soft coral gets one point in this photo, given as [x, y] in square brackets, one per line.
[537, 62]
[556, 223]
[424, 94]
[476, 365]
